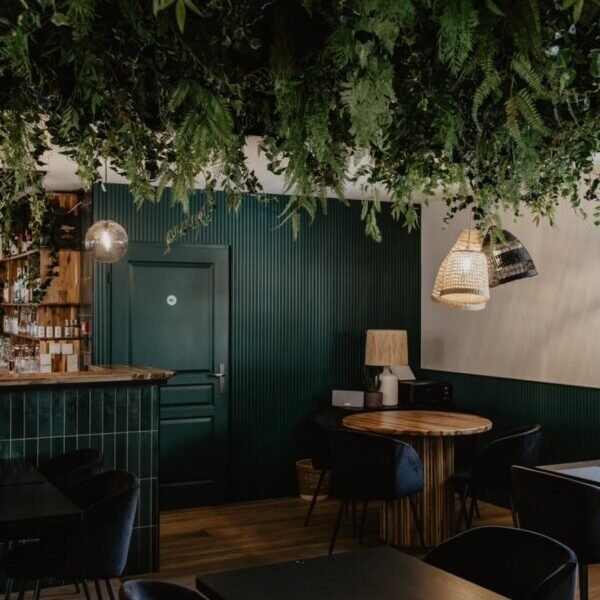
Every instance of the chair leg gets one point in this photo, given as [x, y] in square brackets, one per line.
[462, 511]
[22, 590]
[109, 589]
[86, 589]
[77, 589]
[99, 595]
[38, 590]
[515, 516]
[353, 518]
[477, 509]
[418, 523]
[583, 582]
[314, 498]
[362, 521]
[9, 585]
[338, 520]
[471, 508]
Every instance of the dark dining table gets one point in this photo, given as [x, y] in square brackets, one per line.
[377, 574]
[29, 504]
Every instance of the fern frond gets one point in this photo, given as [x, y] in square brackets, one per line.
[512, 120]
[527, 108]
[455, 40]
[523, 68]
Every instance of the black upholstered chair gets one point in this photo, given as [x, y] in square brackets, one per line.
[563, 508]
[96, 549]
[321, 426]
[155, 590]
[515, 563]
[368, 467]
[66, 470]
[488, 479]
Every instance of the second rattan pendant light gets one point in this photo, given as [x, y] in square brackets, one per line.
[463, 276]
[508, 259]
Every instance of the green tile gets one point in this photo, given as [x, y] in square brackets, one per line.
[133, 453]
[108, 406]
[17, 421]
[83, 441]
[83, 411]
[155, 407]
[4, 416]
[4, 449]
[58, 413]
[146, 408]
[70, 443]
[31, 450]
[70, 399]
[133, 408]
[121, 409]
[17, 448]
[108, 447]
[57, 445]
[146, 454]
[96, 410]
[96, 441]
[44, 412]
[31, 414]
[145, 511]
[44, 449]
[121, 451]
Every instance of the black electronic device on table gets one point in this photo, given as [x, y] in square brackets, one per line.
[428, 393]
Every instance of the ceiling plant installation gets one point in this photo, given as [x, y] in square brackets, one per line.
[496, 102]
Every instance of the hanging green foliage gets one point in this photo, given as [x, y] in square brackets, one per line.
[496, 101]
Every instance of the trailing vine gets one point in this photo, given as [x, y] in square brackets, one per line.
[495, 101]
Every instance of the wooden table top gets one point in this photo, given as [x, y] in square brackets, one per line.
[377, 574]
[418, 423]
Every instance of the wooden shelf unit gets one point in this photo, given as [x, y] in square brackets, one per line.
[62, 297]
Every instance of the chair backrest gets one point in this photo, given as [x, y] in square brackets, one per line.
[98, 547]
[491, 468]
[66, 470]
[515, 563]
[321, 425]
[374, 467]
[560, 507]
[155, 590]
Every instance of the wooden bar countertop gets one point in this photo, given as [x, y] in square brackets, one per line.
[96, 374]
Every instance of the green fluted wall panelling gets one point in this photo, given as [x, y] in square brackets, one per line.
[570, 415]
[299, 312]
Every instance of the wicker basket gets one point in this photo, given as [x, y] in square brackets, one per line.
[308, 478]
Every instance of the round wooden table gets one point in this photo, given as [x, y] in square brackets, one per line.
[432, 435]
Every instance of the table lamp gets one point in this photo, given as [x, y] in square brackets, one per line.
[386, 348]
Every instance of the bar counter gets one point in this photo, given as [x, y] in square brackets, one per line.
[96, 374]
[114, 409]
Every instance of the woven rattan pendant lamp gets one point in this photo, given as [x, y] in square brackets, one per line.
[462, 280]
[508, 259]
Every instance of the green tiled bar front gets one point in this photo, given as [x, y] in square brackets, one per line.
[121, 419]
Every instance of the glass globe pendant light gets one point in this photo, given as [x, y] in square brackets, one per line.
[105, 239]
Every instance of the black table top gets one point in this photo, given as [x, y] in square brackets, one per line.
[588, 470]
[376, 574]
[34, 507]
[18, 471]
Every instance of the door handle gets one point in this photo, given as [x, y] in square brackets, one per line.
[220, 375]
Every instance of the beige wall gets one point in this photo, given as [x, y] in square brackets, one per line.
[546, 328]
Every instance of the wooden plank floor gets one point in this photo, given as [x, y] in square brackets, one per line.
[219, 538]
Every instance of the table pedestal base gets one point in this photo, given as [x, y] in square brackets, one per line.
[435, 504]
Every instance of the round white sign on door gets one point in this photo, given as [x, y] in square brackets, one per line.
[171, 300]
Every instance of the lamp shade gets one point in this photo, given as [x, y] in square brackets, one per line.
[508, 259]
[107, 241]
[469, 240]
[465, 277]
[386, 347]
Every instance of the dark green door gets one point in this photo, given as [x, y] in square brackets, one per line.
[172, 311]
